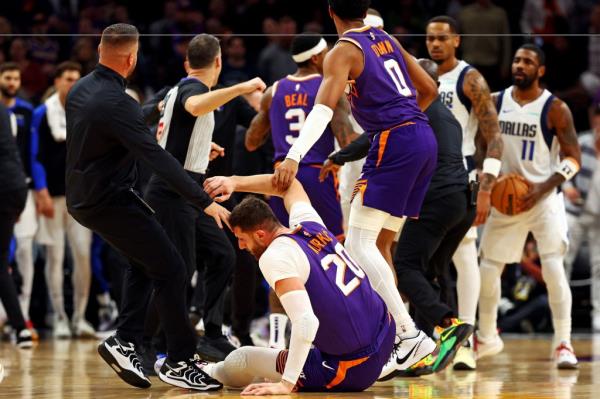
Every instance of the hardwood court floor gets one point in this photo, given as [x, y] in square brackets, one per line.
[73, 369]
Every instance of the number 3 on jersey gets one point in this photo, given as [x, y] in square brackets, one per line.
[295, 126]
[393, 69]
[341, 260]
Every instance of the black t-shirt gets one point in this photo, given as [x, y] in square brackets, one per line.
[450, 175]
[184, 129]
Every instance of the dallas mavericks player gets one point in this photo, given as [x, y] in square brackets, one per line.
[326, 294]
[465, 92]
[536, 127]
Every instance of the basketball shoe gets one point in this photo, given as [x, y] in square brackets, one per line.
[465, 357]
[25, 339]
[409, 353]
[188, 374]
[450, 341]
[61, 328]
[488, 347]
[564, 357]
[83, 329]
[124, 360]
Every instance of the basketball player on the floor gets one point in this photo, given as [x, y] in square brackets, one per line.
[387, 92]
[536, 127]
[326, 294]
[284, 107]
[466, 93]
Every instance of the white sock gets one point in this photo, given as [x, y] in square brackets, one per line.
[559, 296]
[468, 282]
[242, 366]
[24, 258]
[54, 278]
[489, 297]
[361, 244]
[277, 325]
[80, 242]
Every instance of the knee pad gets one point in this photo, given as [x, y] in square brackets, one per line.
[237, 360]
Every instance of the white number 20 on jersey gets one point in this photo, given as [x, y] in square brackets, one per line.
[341, 260]
[295, 126]
[393, 69]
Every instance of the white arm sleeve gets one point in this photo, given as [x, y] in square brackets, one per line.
[304, 329]
[304, 212]
[313, 128]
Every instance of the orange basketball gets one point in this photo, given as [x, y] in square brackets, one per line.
[507, 192]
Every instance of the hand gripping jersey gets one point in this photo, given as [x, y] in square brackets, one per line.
[383, 96]
[453, 97]
[530, 147]
[293, 98]
[351, 314]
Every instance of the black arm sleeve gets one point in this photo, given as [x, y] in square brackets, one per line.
[354, 151]
[150, 107]
[131, 131]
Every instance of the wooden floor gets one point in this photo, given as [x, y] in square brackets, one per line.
[73, 369]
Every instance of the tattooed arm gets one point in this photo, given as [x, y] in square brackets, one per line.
[340, 124]
[259, 129]
[561, 120]
[476, 89]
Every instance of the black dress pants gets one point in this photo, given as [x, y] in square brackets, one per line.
[425, 248]
[155, 264]
[11, 205]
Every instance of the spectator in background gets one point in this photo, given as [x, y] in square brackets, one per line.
[590, 79]
[43, 50]
[236, 68]
[275, 61]
[84, 53]
[539, 16]
[5, 31]
[33, 81]
[490, 53]
[583, 216]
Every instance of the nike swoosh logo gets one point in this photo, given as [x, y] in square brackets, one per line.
[444, 334]
[405, 358]
[327, 367]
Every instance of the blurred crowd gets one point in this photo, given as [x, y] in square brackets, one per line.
[37, 35]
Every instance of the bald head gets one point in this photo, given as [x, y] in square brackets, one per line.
[118, 48]
[430, 67]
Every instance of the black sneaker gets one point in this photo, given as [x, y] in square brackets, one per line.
[245, 340]
[123, 358]
[24, 339]
[214, 349]
[188, 374]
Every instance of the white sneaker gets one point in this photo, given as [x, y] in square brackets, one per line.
[490, 347]
[465, 358]
[83, 329]
[564, 357]
[407, 353]
[61, 329]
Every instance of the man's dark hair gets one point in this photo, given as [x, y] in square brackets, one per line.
[252, 214]
[119, 35]
[444, 19]
[202, 50]
[66, 66]
[9, 66]
[303, 42]
[537, 50]
[350, 9]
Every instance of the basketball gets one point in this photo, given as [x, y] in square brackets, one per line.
[507, 192]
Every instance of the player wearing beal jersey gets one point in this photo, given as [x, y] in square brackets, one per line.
[466, 93]
[536, 127]
[284, 107]
[387, 90]
[326, 294]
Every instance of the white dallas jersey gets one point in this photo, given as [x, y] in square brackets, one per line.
[530, 147]
[453, 97]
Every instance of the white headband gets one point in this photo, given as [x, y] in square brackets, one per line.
[305, 55]
[374, 21]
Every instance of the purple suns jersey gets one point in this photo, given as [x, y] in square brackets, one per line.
[351, 314]
[383, 96]
[293, 98]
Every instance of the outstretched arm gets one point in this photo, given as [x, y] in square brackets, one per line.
[561, 120]
[220, 188]
[476, 89]
[204, 103]
[260, 126]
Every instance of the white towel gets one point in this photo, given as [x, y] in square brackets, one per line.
[57, 119]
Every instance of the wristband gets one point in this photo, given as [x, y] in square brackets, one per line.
[313, 128]
[568, 168]
[492, 166]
